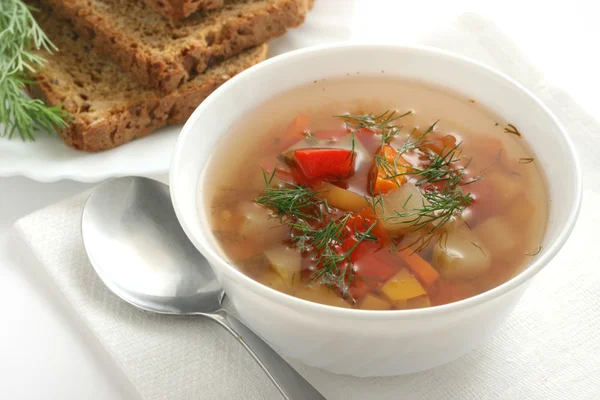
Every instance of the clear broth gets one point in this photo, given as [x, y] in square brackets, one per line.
[234, 175]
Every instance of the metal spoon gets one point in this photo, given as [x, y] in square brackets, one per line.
[137, 247]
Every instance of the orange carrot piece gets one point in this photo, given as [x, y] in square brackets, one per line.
[418, 266]
[382, 179]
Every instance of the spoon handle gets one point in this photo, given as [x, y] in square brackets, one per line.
[289, 382]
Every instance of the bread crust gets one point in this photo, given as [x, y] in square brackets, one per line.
[220, 34]
[178, 9]
[132, 120]
[108, 108]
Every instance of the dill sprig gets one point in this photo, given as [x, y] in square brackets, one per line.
[416, 142]
[380, 124]
[510, 128]
[302, 210]
[437, 209]
[526, 160]
[20, 39]
[440, 205]
[335, 268]
[290, 201]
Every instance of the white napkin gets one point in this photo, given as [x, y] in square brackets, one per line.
[548, 349]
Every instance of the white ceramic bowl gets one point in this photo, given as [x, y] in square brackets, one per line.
[358, 342]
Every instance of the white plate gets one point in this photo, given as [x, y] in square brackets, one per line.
[48, 159]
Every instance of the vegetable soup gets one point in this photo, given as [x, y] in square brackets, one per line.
[376, 193]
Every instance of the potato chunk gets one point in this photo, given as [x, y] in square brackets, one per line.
[459, 254]
[259, 224]
[399, 205]
[286, 262]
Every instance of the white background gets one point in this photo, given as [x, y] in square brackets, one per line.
[42, 352]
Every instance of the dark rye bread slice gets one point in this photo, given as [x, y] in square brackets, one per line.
[177, 9]
[110, 108]
[165, 54]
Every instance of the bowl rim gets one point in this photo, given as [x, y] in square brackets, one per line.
[309, 306]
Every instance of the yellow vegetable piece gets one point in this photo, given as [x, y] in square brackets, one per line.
[286, 262]
[321, 294]
[372, 302]
[403, 286]
[274, 281]
[341, 198]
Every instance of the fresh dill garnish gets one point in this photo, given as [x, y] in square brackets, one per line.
[380, 124]
[391, 171]
[437, 209]
[440, 204]
[336, 269]
[413, 143]
[289, 200]
[538, 251]
[374, 201]
[526, 160]
[21, 39]
[302, 210]
[510, 128]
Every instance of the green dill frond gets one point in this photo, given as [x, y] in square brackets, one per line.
[21, 39]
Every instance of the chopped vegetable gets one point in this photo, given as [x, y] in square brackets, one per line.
[360, 236]
[459, 254]
[419, 302]
[372, 302]
[398, 207]
[388, 170]
[321, 294]
[403, 286]
[418, 266]
[339, 139]
[286, 262]
[260, 225]
[341, 198]
[332, 164]
[422, 218]
[371, 271]
[274, 281]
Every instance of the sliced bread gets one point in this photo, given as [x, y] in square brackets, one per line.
[166, 55]
[177, 9]
[109, 108]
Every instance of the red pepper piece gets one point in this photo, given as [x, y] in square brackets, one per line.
[319, 163]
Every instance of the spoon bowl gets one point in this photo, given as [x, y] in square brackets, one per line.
[139, 250]
[137, 247]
